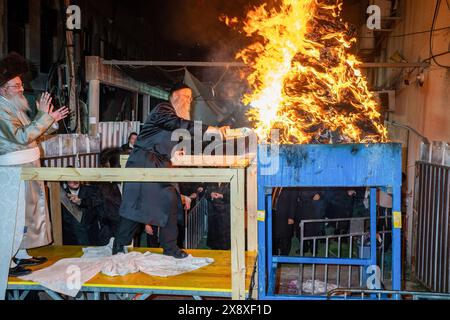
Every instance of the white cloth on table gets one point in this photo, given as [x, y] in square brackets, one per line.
[67, 276]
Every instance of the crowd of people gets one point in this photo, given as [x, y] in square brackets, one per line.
[291, 206]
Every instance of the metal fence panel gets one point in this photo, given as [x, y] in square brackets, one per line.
[196, 228]
[431, 236]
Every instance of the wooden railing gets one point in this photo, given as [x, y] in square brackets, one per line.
[84, 160]
[235, 176]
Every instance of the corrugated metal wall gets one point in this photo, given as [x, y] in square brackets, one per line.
[78, 150]
[432, 220]
[115, 134]
[88, 160]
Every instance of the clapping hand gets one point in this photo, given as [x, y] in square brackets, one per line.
[44, 102]
[59, 114]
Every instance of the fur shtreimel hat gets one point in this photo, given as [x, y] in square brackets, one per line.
[176, 87]
[11, 66]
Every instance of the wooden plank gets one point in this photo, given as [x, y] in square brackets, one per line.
[238, 268]
[94, 106]
[129, 174]
[252, 217]
[234, 161]
[55, 211]
[252, 204]
[98, 71]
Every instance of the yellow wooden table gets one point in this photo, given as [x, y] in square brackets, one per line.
[213, 280]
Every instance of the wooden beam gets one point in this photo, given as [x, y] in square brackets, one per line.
[252, 205]
[106, 74]
[238, 267]
[55, 212]
[94, 106]
[232, 161]
[252, 217]
[129, 174]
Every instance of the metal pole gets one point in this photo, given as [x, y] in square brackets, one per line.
[373, 227]
[396, 239]
[233, 64]
[270, 273]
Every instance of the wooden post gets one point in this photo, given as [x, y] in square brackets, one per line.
[238, 268]
[3, 26]
[55, 211]
[252, 217]
[33, 33]
[94, 106]
[252, 204]
[146, 107]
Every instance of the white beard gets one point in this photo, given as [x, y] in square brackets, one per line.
[183, 112]
[20, 102]
[185, 116]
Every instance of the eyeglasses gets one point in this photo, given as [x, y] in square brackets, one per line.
[16, 86]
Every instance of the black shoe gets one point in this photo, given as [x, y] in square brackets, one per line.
[177, 253]
[33, 261]
[18, 271]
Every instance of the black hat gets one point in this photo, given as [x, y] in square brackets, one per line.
[178, 86]
[11, 66]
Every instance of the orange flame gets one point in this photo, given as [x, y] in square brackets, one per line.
[302, 77]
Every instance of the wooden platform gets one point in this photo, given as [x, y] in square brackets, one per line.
[213, 280]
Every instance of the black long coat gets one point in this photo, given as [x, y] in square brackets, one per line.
[149, 202]
[310, 209]
[219, 228]
[284, 208]
[85, 232]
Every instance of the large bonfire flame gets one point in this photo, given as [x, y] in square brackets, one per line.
[303, 79]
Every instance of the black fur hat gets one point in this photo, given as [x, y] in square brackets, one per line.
[11, 66]
[178, 86]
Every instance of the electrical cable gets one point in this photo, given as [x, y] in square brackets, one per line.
[436, 55]
[436, 13]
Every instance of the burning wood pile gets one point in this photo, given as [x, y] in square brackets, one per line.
[303, 79]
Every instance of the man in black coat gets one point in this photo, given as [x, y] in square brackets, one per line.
[284, 206]
[129, 146]
[219, 228]
[81, 210]
[158, 204]
[311, 205]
